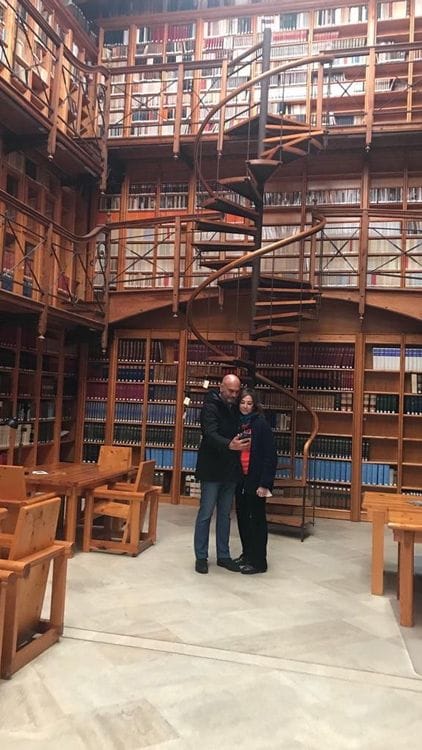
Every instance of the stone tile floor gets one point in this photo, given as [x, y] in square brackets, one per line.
[157, 656]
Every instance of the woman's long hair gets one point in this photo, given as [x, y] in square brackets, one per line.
[254, 396]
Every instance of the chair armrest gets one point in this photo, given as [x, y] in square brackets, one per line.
[39, 496]
[16, 566]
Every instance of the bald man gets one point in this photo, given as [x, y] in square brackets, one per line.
[218, 469]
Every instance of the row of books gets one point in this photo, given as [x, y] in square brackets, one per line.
[413, 404]
[386, 358]
[130, 391]
[328, 496]
[318, 401]
[162, 392]
[332, 380]
[384, 403]
[5, 383]
[382, 475]
[325, 470]
[127, 434]
[90, 453]
[127, 412]
[413, 359]
[97, 371]
[133, 374]
[96, 390]
[415, 382]
[45, 432]
[189, 458]
[164, 413]
[163, 457]
[7, 358]
[283, 376]
[27, 361]
[191, 437]
[159, 435]
[163, 372]
[192, 416]
[95, 410]
[94, 432]
[47, 409]
[131, 350]
[279, 420]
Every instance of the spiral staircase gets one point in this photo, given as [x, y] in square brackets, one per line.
[278, 303]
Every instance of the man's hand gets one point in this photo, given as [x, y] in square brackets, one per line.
[239, 444]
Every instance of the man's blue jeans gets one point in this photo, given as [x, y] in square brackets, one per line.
[213, 494]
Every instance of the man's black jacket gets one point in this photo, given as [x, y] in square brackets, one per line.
[219, 424]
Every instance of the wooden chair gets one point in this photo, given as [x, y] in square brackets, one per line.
[129, 503]
[28, 554]
[14, 494]
[115, 456]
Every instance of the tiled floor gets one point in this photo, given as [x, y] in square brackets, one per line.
[157, 656]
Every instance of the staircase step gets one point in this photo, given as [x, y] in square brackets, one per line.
[210, 246]
[223, 226]
[254, 343]
[294, 502]
[284, 304]
[274, 281]
[262, 169]
[287, 153]
[284, 520]
[288, 316]
[292, 126]
[225, 206]
[289, 482]
[245, 186]
[271, 330]
[287, 293]
[217, 263]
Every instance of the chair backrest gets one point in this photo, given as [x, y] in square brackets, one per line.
[35, 528]
[12, 483]
[115, 457]
[144, 476]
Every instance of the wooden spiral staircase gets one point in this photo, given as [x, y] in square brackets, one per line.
[277, 303]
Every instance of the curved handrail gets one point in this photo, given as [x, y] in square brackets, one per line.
[237, 262]
[243, 87]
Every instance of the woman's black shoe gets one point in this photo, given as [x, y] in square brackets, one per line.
[241, 560]
[250, 569]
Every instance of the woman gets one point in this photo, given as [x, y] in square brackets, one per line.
[259, 463]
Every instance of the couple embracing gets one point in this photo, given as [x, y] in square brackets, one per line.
[236, 457]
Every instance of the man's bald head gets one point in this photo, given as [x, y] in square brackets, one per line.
[230, 388]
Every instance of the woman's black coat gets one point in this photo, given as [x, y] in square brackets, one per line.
[263, 459]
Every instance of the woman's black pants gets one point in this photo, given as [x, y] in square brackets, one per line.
[252, 522]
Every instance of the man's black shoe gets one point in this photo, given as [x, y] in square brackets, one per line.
[229, 564]
[201, 566]
[250, 569]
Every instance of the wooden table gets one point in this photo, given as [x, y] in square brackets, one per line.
[72, 480]
[383, 508]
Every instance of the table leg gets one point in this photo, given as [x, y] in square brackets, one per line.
[378, 521]
[71, 516]
[407, 558]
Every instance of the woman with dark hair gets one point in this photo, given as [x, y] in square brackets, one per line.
[259, 464]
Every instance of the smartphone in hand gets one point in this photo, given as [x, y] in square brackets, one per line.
[244, 436]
